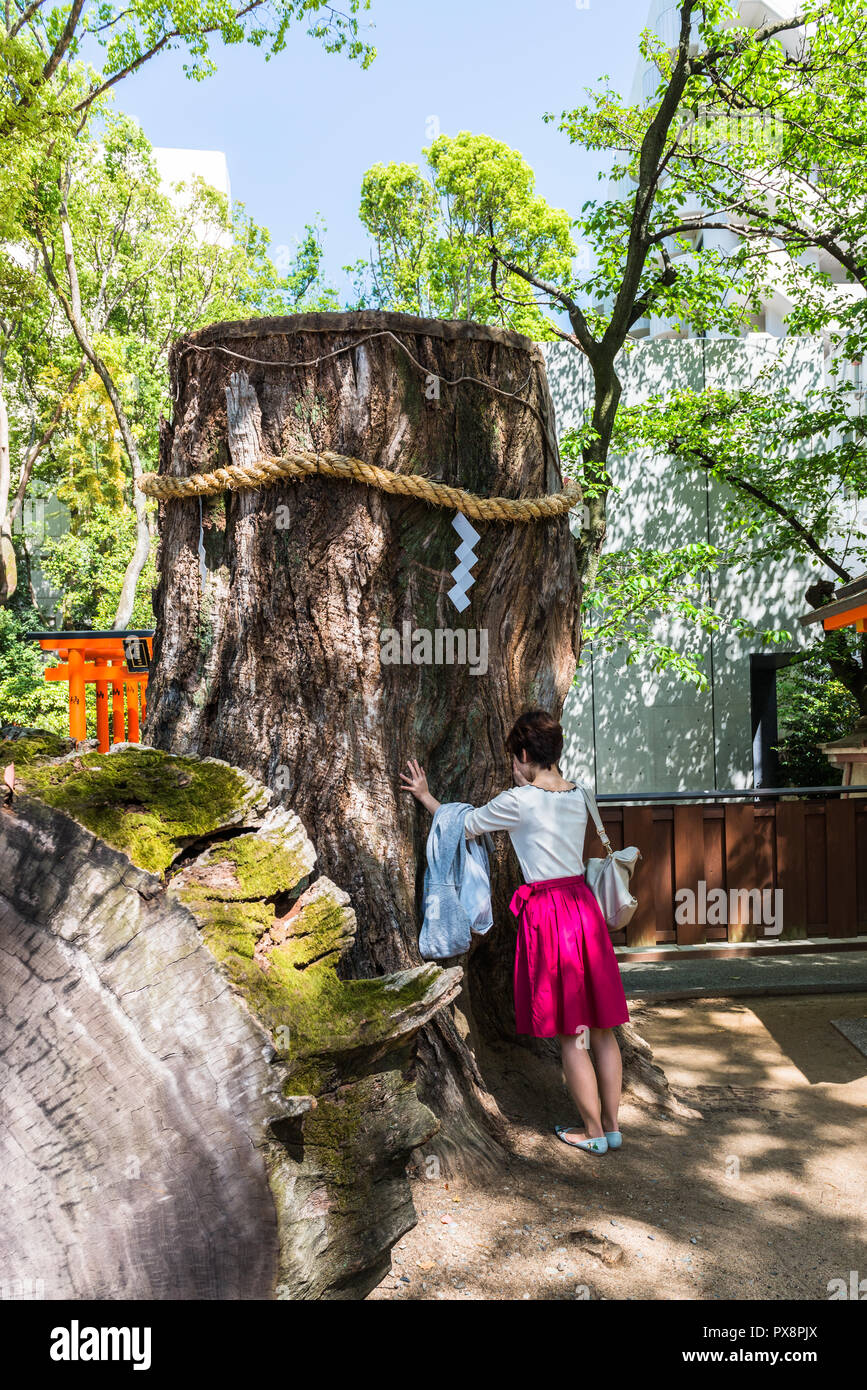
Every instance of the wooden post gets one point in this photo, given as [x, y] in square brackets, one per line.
[741, 872]
[842, 862]
[118, 734]
[77, 708]
[102, 737]
[689, 865]
[638, 830]
[791, 867]
[132, 711]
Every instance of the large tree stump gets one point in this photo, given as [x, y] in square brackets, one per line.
[271, 613]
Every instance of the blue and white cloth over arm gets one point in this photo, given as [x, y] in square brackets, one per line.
[457, 886]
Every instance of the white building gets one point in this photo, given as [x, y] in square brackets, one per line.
[180, 166]
[627, 727]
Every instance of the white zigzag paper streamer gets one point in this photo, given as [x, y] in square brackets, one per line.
[461, 575]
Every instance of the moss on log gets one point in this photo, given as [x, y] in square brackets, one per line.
[174, 1012]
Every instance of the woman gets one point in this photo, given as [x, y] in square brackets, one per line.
[567, 984]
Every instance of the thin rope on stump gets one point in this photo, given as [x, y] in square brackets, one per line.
[267, 471]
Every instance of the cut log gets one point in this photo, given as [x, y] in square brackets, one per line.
[194, 1105]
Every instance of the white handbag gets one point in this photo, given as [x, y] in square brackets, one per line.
[608, 878]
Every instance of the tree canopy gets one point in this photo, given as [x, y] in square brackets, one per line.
[57, 60]
[109, 267]
[431, 234]
[738, 182]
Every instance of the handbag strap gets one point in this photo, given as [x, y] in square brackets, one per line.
[597, 819]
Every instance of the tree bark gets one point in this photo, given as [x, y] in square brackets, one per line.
[274, 663]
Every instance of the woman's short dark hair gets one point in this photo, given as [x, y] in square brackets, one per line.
[538, 735]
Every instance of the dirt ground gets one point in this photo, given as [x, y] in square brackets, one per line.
[760, 1196]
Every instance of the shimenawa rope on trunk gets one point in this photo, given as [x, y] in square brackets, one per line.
[298, 464]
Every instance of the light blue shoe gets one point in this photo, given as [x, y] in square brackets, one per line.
[614, 1137]
[590, 1146]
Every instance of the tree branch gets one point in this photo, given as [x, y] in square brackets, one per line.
[711, 465]
[576, 316]
[58, 53]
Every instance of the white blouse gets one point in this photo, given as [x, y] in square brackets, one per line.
[546, 829]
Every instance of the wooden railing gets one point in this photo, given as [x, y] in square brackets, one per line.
[802, 860]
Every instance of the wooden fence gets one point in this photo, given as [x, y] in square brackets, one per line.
[814, 851]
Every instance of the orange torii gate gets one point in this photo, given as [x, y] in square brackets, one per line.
[120, 659]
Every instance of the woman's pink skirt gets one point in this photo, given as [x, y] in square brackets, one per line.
[566, 974]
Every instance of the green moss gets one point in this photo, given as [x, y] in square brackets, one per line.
[313, 1012]
[314, 1017]
[229, 928]
[322, 927]
[232, 896]
[258, 866]
[348, 1126]
[346, 1012]
[334, 1128]
[141, 801]
[33, 747]
[312, 1077]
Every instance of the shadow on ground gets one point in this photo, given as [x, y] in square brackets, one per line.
[759, 1198]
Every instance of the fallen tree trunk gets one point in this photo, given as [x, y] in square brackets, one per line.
[194, 1106]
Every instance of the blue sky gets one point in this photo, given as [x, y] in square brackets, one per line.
[300, 130]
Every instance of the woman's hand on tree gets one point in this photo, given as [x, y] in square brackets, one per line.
[416, 783]
[416, 780]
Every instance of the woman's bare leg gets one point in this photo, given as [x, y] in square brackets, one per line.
[609, 1071]
[580, 1077]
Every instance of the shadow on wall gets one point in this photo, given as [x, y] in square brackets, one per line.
[626, 725]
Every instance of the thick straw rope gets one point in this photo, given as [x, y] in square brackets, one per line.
[268, 471]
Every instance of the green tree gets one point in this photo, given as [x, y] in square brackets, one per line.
[431, 235]
[775, 149]
[130, 269]
[634, 272]
[25, 696]
[56, 61]
[303, 288]
[812, 710]
[790, 475]
[760, 132]
[57, 65]
[40, 368]
[87, 566]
